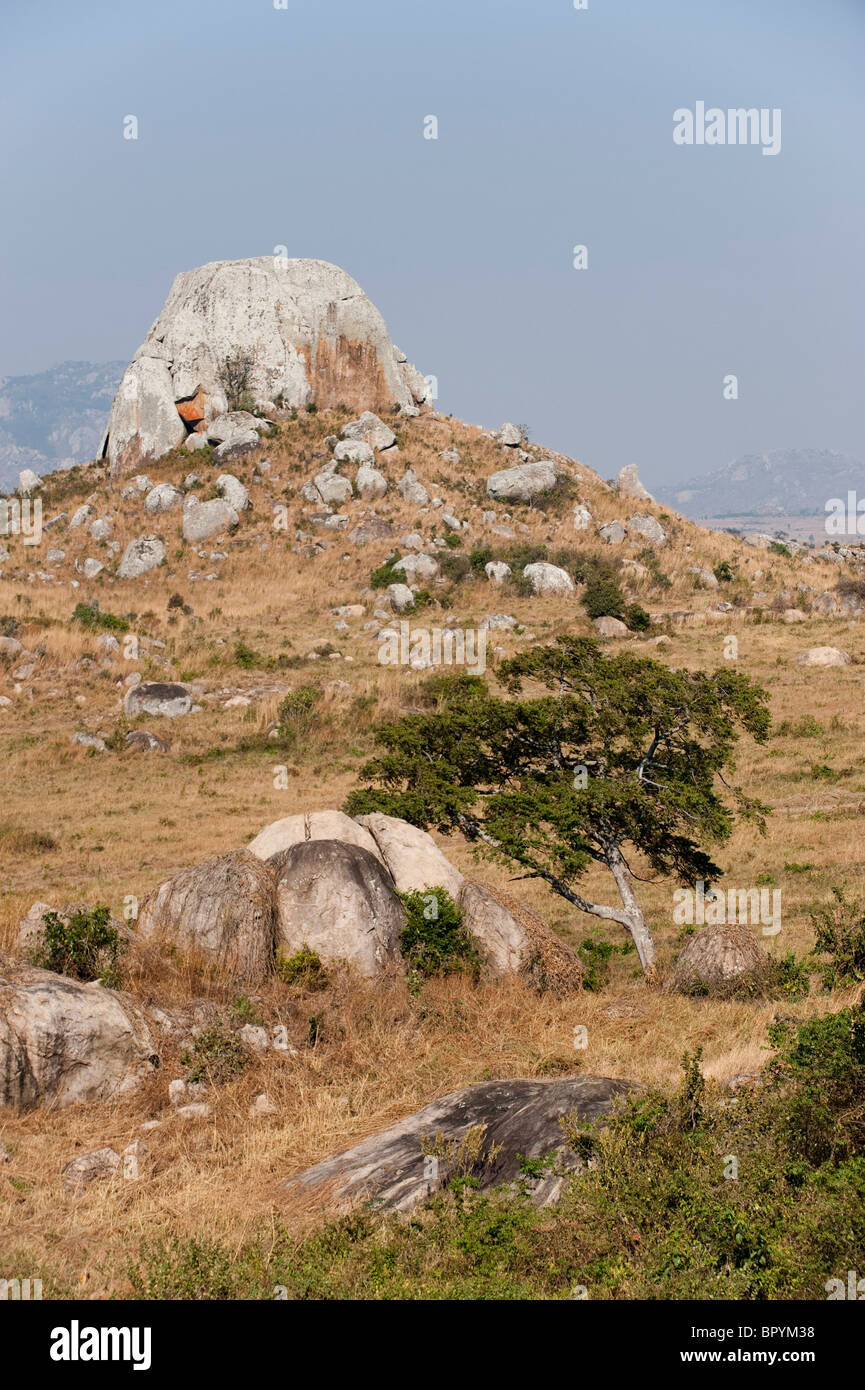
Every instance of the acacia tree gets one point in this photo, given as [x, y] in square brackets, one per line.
[612, 755]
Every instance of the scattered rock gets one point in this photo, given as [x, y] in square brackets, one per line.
[628, 482]
[314, 825]
[613, 533]
[611, 627]
[648, 527]
[62, 1041]
[371, 430]
[162, 498]
[549, 580]
[497, 571]
[90, 1167]
[721, 961]
[411, 855]
[201, 520]
[518, 1119]
[141, 555]
[169, 699]
[823, 656]
[523, 482]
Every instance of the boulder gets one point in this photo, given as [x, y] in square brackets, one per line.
[628, 482]
[582, 517]
[523, 482]
[332, 489]
[512, 939]
[369, 429]
[28, 482]
[823, 656]
[417, 568]
[339, 900]
[92, 567]
[354, 451]
[307, 327]
[411, 490]
[647, 527]
[62, 1041]
[89, 1167]
[374, 528]
[313, 825]
[169, 699]
[232, 489]
[225, 908]
[514, 1119]
[141, 555]
[162, 497]
[411, 855]
[400, 597]
[201, 520]
[613, 533]
[611, 627]
[549, 579]
[370, 484]
[510, 436]
[497, 571]
[723, 961]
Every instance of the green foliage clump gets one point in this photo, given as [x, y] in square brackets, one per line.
[90, 617]
[217, 1056]
[303, 969]
[724, 572]
[434, 939]
[386, 574]
[85, 945]
[298, 712]
[840, 935]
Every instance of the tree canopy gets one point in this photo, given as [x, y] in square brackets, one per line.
[583, 759]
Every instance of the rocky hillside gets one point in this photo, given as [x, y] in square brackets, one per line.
[194, 660]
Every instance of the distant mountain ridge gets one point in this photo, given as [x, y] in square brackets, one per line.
[55, 418]
[782, 482]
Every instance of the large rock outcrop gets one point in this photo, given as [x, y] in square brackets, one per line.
[224, 908]
[62, 1041]
[307, 328]
[482, 1131]
[339, 900]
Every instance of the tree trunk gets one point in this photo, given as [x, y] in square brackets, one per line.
[636, 922]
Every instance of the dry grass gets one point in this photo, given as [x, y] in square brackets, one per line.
[82, 825]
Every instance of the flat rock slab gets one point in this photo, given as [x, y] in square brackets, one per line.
[517, 1118]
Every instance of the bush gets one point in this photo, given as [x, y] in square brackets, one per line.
[724, 572]
[89, 616]
[297, 712]
[434, 939]
[603, 598]
[840, 935]
[304, 969]
[217, 1056]
[85, 946]
[386, 574]
[636, 618]
[234, 377]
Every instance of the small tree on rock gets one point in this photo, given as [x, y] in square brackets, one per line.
[614, 754]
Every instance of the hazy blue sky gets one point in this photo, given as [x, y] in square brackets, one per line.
[304, 127]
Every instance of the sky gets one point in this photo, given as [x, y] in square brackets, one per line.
[303, 127]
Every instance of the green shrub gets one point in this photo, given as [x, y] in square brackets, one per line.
[386, 574]
[603, 598]
[434, 940]
[217, 1056]
[85, 946]
[298, 712]
[636, 618]
[840, 935]
[304, 969]
[724, 572]
[89, 616]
